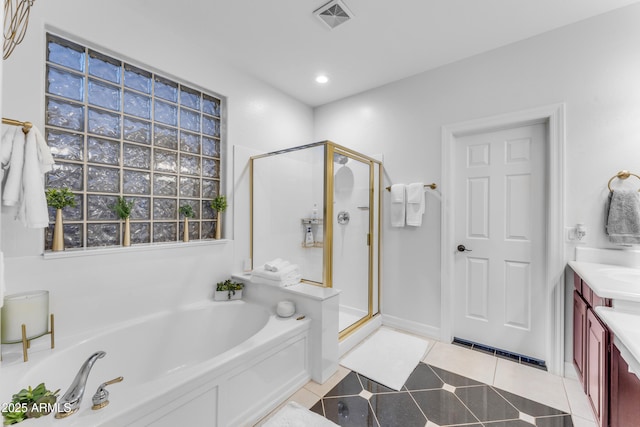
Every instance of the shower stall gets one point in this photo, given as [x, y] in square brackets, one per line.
[318, 206]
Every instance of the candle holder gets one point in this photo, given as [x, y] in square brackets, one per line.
[25, 317]
[26, 342]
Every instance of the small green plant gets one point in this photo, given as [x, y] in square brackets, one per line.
[219, 203]
[29, 403]
[229, 286]
[60, 198]
[122, 208]
[187, 211]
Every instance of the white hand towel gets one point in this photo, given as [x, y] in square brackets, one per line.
[44, 152]
[397, 205]
[6, 144]
[33, 210]
[623, 217]
[13, 184]
[415, 203]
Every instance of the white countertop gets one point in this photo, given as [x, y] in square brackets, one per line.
[610, 281]
[626, 330]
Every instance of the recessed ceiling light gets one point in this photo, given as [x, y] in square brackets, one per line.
[322, 79]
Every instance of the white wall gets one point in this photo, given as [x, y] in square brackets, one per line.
[258, 117]
[593, 66]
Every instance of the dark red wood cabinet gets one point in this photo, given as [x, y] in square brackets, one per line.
[597, 367]
[579, 333]
[591, 349]
[624, 402]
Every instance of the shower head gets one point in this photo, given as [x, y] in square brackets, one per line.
[340, 158]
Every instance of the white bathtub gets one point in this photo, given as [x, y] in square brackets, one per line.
[207, 364]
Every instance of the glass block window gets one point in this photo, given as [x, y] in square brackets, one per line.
[116, 129]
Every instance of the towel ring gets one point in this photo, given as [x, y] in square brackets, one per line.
[623, 174]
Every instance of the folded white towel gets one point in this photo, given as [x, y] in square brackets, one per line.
[270, 265]
[279, 275]
[415, 203]
[295, 415]
[397, 205]
[276, 265]
[290, 280]
[623, 217]
[33, 210]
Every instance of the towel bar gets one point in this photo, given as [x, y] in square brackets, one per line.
[623, 174]
[26, 126]
[432, 186]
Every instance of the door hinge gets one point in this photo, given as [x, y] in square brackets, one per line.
[368, 239]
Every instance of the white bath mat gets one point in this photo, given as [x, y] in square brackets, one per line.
[294, 415]
[387, 357]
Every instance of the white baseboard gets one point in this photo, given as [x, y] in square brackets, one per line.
[570, 371]
[411, 326]
[360, 334]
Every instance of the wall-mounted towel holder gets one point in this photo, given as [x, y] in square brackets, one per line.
[432, 186]
[623, 174]
[26, 126]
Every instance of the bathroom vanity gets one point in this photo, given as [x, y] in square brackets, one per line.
[606, 340]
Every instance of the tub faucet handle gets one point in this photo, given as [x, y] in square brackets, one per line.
[101, 398]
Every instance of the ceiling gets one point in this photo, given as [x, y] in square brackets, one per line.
[284, 44]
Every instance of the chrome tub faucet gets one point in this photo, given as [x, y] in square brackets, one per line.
[70, 401]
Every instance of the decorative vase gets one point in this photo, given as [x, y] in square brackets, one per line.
[185, 233]
[219, 226]
[126, 238]
[58, 233]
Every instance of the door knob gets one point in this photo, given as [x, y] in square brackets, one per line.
[461, 248]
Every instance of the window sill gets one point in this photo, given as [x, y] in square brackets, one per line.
[84, 252]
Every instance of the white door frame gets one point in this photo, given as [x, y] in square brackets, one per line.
[554, 117]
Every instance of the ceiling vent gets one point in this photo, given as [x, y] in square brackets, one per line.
[334, 13]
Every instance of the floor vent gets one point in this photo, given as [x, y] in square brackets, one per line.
[334, 13]
[525, 360]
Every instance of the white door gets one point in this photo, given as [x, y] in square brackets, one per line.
[500, 231]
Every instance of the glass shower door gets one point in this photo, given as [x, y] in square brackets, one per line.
[352, 234]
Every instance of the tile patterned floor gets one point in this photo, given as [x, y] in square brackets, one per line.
[451, 383]
[433, 397]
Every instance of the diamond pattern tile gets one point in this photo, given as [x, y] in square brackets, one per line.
[433, 397]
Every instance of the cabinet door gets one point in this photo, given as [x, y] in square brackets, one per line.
[579, 330]
[597, 367]
[625, 393]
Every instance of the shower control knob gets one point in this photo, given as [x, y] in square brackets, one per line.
[343, 218]
[461, 248]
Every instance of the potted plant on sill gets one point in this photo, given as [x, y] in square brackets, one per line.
[228, 290]
[219, 204]
[122, 208]
[187, 212]
[59, 198]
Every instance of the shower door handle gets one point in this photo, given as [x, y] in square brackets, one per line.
[461, 248]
